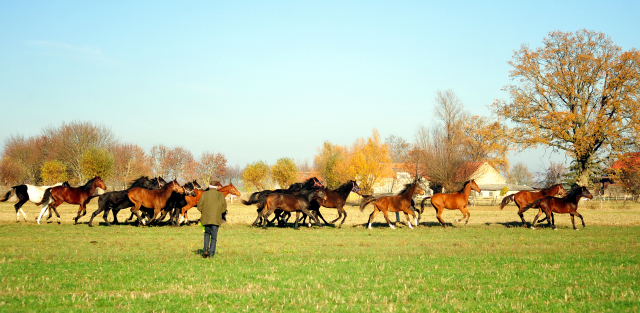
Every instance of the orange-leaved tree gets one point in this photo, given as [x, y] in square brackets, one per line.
[368, 161]
[578, 93]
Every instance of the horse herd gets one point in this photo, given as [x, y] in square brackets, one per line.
[151, 200]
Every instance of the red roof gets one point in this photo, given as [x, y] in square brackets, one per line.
[627, 160]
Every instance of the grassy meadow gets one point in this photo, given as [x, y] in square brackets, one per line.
[491, 264]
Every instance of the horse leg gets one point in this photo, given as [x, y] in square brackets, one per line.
[372, 216]
[344, 213]
[295, 225]
[439, 215]
[465, 213]
[265, 217]
[315, 219]
[94, 215]
[386, 217]
[406, 216]
[538, 216]
[54, 207]
[520, 213]
[573, 221]
[45, 208]
[319, 216]
[18, 207]
[75, 219]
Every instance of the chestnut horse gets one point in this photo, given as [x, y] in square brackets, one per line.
[568, 204]
[193, 201]
[23, 193]
[523, 198]
[56, 196]
[398, 203]
[452, 201]
[152, 199]
[292, 203]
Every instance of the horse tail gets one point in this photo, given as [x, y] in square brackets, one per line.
[45, 197]
[534, 204]
[365, 201]
[89, 199]
[506, 201]
[422, 204]
[8, 194]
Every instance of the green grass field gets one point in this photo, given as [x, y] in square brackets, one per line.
[488, 265]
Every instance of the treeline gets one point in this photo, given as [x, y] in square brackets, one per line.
[78, 151]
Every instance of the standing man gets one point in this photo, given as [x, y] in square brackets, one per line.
[213, 207]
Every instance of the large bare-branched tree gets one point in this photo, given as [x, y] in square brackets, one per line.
[129, 162]
[211, 166]
[578, 93]
[520, 175]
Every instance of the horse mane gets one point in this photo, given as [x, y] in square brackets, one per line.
[133, 182]
[87, 186]
[575, 190]
[464, 186]
[550, 187]
[407, 187]
[344, 187]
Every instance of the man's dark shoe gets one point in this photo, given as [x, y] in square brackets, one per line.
[205, 255]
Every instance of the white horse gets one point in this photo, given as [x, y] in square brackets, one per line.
[23, 193]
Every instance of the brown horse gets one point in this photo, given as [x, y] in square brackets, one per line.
[398, 203]
[523, 198]
[193, 201]
[568, 204]
[452, 201]
[336, 199]
[292, 203]
[152, 199]
[80, 195]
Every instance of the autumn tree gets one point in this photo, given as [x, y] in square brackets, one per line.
[368, 160]
[233, 174]
[398, 148]
[284, 172]
[211, 166]
[129, 162]
[330, 163]
[484, 140]
[256, 174]
[53, 172]
[70, 141]
[554, 174]
[520, 175]
[22, 159]
[578, 93]
[97, 162]
[171, 163]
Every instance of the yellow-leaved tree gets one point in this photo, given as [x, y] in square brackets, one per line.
[284, 172]
[578, 93]
[53, 172]
[256, 174]
[368, 161]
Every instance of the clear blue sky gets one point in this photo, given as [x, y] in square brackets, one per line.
[260, 80]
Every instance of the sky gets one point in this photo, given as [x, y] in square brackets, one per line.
[262, 80]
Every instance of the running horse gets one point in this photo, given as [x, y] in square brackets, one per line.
[292, 203]
[192, 201]
[567, 204]
[23, 193]
[56, 196]
[336, 199]
[523, 198]
[398, 203]
[152, 199]
[452, 201]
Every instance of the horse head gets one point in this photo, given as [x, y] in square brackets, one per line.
[418, 190]
[474, 186]
[98, 182]
[559, 190]
[585, 193]
[196, 185]
[355, 187]
[174, 186]
[234, 191]
[189, 189]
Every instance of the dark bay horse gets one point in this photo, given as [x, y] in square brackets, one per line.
[56, 196]
[398, 203]
[291, 203]
[258, 198]
[114, 201]
[176, 201]
[523, 198]
[336, 199]
[567, 204]
[192, 201]
[152, 199]
[452, 201]
[23, 193]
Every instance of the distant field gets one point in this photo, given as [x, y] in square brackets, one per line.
[489, 265]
